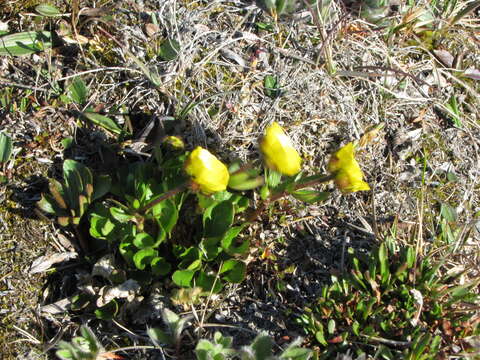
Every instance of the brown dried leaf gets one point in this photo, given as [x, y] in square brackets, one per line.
[151, 29]
[369, 136]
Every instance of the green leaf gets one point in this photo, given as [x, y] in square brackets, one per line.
[103, 121]
[210, 248]
[47, 204]
[25, 43]
[100, 227]
[320, 336]
[120, 215]
[101, 186]
[159, 337]
[295, 352]
[383, 261]
[271, 85]
[152, 76]
[80, 301]
[188, 256]
[217, 219]
[262, 347]
[273, 178]
[78, 181]
[310, 196]
[127, 250]
[5, 147]
[265, 26]
[331, 326]
[64, 354]
[108, 311]
[233, 271]
[47, 10]
[228, 241]
[167, 218]
[242, 182]
[144, 257]
[169, 49]
[143, 240]
[160, 266]
[78, 91]
[183, 278]
[90, 338]
[448, 213]
[67, 142]
[208, 282]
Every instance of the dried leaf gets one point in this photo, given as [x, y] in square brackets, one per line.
[444, 57]
[472, 73]
[110, 355]
[127, 290]
[104, 267]
[58, 307]
[152, 29]
[94, 12]
[44, 263]
[370, 135]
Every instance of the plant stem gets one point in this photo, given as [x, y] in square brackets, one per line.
[279, 195]
[165, 196]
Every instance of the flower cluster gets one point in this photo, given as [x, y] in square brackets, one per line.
[210, 175]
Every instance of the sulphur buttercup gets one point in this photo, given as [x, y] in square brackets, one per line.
[278, 151]
[207, 172]
[348, 175]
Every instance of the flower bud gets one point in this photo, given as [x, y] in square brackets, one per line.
[278, 151]
[207, 172]
[348, 175]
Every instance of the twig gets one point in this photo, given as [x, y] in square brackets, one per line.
[21, 86]
[110, 68]
[400, 344]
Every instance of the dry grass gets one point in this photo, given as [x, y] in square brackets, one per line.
[394, 79]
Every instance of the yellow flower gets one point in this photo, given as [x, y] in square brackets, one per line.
[209, 173]
[173, 143]
[348, 175]
[279, 153]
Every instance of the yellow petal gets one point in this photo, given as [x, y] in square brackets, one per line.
[278, 151]
[209, 173]
[348, 175]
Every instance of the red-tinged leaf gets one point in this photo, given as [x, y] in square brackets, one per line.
[472, 74]
[336, 339]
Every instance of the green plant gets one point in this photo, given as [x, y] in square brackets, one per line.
[69, 201]
[395, 300]
[84, 347]
[173, 333]
[5, 148]
[181, 216]
[87, 346]
[77, 92]
[260, 349]
[25, 43]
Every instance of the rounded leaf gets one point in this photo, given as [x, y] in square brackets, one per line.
[144, 257]
[233, 271]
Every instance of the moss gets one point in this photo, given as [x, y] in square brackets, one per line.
[21, 240]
